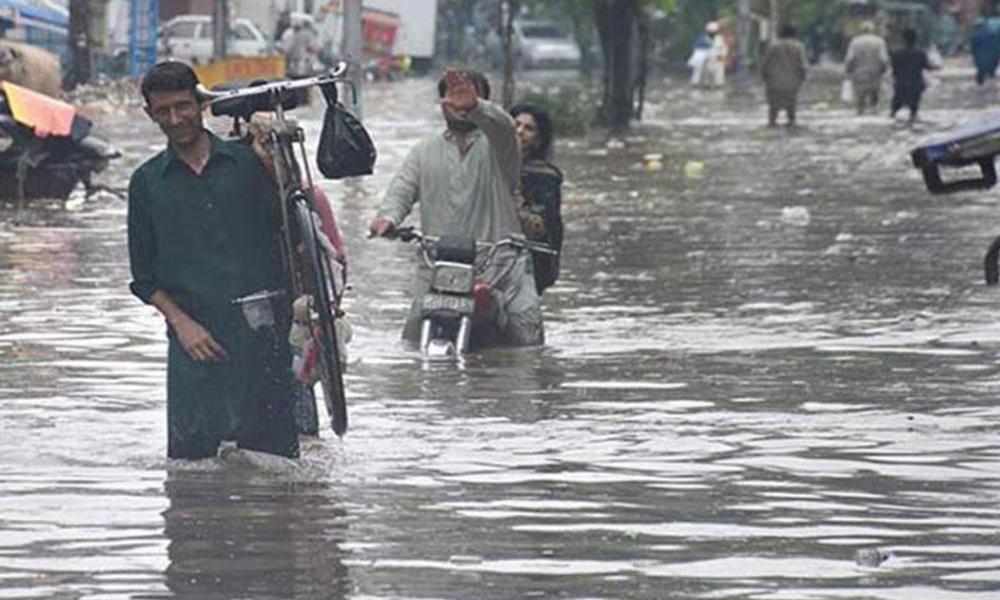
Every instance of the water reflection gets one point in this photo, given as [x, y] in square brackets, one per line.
[233, 536]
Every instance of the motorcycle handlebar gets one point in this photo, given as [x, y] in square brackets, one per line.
[409, 234]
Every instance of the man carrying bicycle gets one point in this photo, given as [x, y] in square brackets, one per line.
[465, 180]
[203, 231]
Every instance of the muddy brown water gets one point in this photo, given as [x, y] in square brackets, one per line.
[748, 378]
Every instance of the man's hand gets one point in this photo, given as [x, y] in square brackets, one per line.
[198, 342]
[259, 141]
[461, 95]
[380, 227]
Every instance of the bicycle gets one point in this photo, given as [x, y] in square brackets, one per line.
[307, 254]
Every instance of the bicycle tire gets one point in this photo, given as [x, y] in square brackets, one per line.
[318, 278]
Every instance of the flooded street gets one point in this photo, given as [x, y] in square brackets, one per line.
[749, 377]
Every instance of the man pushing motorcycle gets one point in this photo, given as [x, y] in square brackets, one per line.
[465, 179]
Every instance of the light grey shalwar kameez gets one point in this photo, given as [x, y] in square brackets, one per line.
[472, 195]
[866, 62]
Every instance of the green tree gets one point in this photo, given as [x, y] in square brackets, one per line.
[622, 30]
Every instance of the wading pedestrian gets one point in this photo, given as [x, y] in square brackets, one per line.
[714, 72]
[866, 63]
[984, 41]
[784, 70]
[699, 56]
[203, 232]
[908, 67]
[541, 189]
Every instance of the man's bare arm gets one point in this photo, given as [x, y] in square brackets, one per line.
[496, 124]
[195, 339]
[499, 128]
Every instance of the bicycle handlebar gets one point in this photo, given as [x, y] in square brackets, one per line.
[267, 96]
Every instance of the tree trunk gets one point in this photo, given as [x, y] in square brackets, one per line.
[220, 29]
[642, 46]
[79, 36]
[615, 20]
[744, 28]
[352, 45]
[775, 18]
[508, 10]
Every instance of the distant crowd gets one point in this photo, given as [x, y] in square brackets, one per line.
[867, 62]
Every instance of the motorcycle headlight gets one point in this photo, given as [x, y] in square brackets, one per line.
[454, 278]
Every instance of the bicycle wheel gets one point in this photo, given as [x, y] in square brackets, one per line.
[319, 283]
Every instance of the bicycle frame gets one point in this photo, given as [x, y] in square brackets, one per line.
[307, 259]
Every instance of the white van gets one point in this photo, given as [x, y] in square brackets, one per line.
[189, 38]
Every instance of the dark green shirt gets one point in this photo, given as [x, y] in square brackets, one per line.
[206, 238]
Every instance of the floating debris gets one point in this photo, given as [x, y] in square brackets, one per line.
[871, 557]
[795, 215]
[694, 169]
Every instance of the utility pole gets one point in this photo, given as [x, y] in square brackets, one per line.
[743, 29]
[220, 28]
[508, 10]
[775, 19]
[352, 44]
[79, 39]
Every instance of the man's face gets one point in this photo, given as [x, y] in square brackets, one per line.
[455, 121]
[178, 114]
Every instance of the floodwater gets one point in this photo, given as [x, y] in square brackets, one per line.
[749, 378]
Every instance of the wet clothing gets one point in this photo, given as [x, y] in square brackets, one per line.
[908, 68]
[985, 44]
[206, 240]
[471, 195]
[867, 62]
[784, 70]
[541, 188]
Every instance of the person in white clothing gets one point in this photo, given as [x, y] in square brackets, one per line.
[715, 64]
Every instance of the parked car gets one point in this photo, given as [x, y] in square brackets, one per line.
[189, 38]
[544, 45]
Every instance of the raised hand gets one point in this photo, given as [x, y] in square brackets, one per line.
[461, 95]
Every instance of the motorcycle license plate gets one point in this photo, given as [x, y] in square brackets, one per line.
[460, 304]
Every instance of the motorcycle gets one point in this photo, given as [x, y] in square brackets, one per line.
[460, 295]
[972, 145]
[33, 165]
[977, 145]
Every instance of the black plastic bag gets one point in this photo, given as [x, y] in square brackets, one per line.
[345, 148]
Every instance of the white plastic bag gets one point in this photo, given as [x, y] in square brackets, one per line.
[847, 92]
[934, 58]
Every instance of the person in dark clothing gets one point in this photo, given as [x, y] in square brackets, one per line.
[203, 232]
[984, 41]
[541, 189]
[908, 66]
[784, 70]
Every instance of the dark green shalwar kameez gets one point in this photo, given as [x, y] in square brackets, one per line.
[205, 240]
